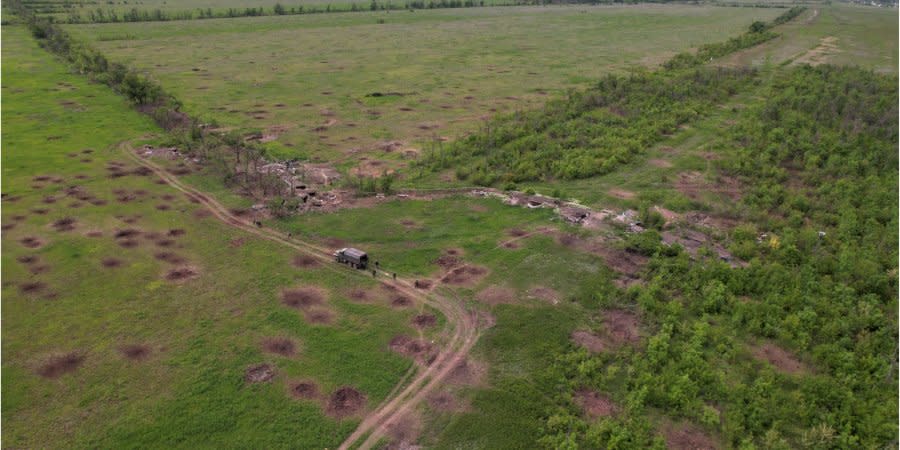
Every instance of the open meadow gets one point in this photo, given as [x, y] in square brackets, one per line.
[310, 83]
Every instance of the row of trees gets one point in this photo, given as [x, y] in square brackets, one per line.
[593, 132]
[818, 153]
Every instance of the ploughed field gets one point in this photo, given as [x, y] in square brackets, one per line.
[310, 84]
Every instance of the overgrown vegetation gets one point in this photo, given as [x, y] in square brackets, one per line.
[592, 132]
[820, 154]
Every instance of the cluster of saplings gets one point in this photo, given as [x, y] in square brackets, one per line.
[818, 154]
[592, 132]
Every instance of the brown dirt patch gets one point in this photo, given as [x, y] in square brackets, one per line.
[303, 390]
[128, 243]
[31, 242]
[164, 243]
[546, 294]
[622, 194]
[495, 295]
[31, 287]
[621, 326]
[127, 233]
[181, 274]
[511, 245]
[688, 437]
[447, 261]
[111, 263]
[302, 297]
[27, 259]
[135, 352]
[778, 357]
[424, 320]
[175, 232]
[345, 401]
[589, 341]
[595, 404]
[38, 268]
[7, 226]
[60, 365]
[319, 316]
[279, 346]
[259, 373]
[404, 432]
[359, 295]
[170, 258]
[516, 232]
[418, 349]
[94, 233]
[444, 402]
[401, 301]
[467, 372]
[464, 275]
[663, 163]
[40, 211]
[305, 261]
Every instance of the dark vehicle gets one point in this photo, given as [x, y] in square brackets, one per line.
[356, 259]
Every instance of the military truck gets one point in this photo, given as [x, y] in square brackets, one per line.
[355, 258]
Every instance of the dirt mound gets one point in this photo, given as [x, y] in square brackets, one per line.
[594, 404]
[464, 275]
[31, 287]
[404, 432]
[422, 284]
[170, 258]
[60, 365]
[40, 211]
[444, 401]
[494, 295]
[448, 261]
[621, 326]
[589, 341]
[305, 261]
[319, 316]
[126, 233]
[279, 346]
[401, 301]
[346, 401]
[111, 262]
[31, 242]
[303, 390]
[467, 372]
[418, 349]
[128, 243]
[38, 268]
[778, 357]
[134, 352]
[260, 373]
[511, 245]
[516, 232]
[181, 274]
[164, 243]
[424, 320]
[359, 295]
[622, 194]
[27, 259]
[302, 297]
[175, 232]
[688, 437]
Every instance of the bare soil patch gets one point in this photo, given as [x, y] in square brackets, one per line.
[404, 432]
[688, 437]
[465, 275]
[38, 268]
[279, 346]
[778, 357]
[447, 261]
[175, 232]
[589, 341]
[31, 287]
[259, 373]
[111, 263]
[621, 327]
[424, 320]
[662, 163]
[495, 295]
[31, 242]
[359, 295]
[302, 297]
[181, 274]
[344, 402]
[622, 194]
[546, 294]
[305, 261]
[401, 301]
[60, 365]
[128, 243]
[516, 232]
[595, 404]
[127, 233]
[467, 372]
[170, 258]
[319, 316]
[444, 402]
[27, 259]
[303, 390]
[134, 352]
[418, 349]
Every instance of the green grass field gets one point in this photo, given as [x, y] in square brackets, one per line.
[199, 334]
[306, 78]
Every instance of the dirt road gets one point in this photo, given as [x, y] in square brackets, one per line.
[464, 323]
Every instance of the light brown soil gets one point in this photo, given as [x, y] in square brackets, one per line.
[60, 365]
[495, 295]
[663, 163]
[134, 352]
[401, 301]
[444, 402]
[126, 233]
[259, 373]
[304, 261]
[778, 357]
[128, 243]
[303, 390]
[588, 340]
[418, 349]
[688, 437]
[181, 274]
[279, 346]
[467, 372]
[345, 402]
[424, 320]
[448, 261]
[464, 275]
[622, 194]
[27, 259]
[621, 327]
[302, 297]
[319, 316]
[31, 242]
[38, 268]
[595, 404]
[546, 294]
[404, 432]
[30, 287]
